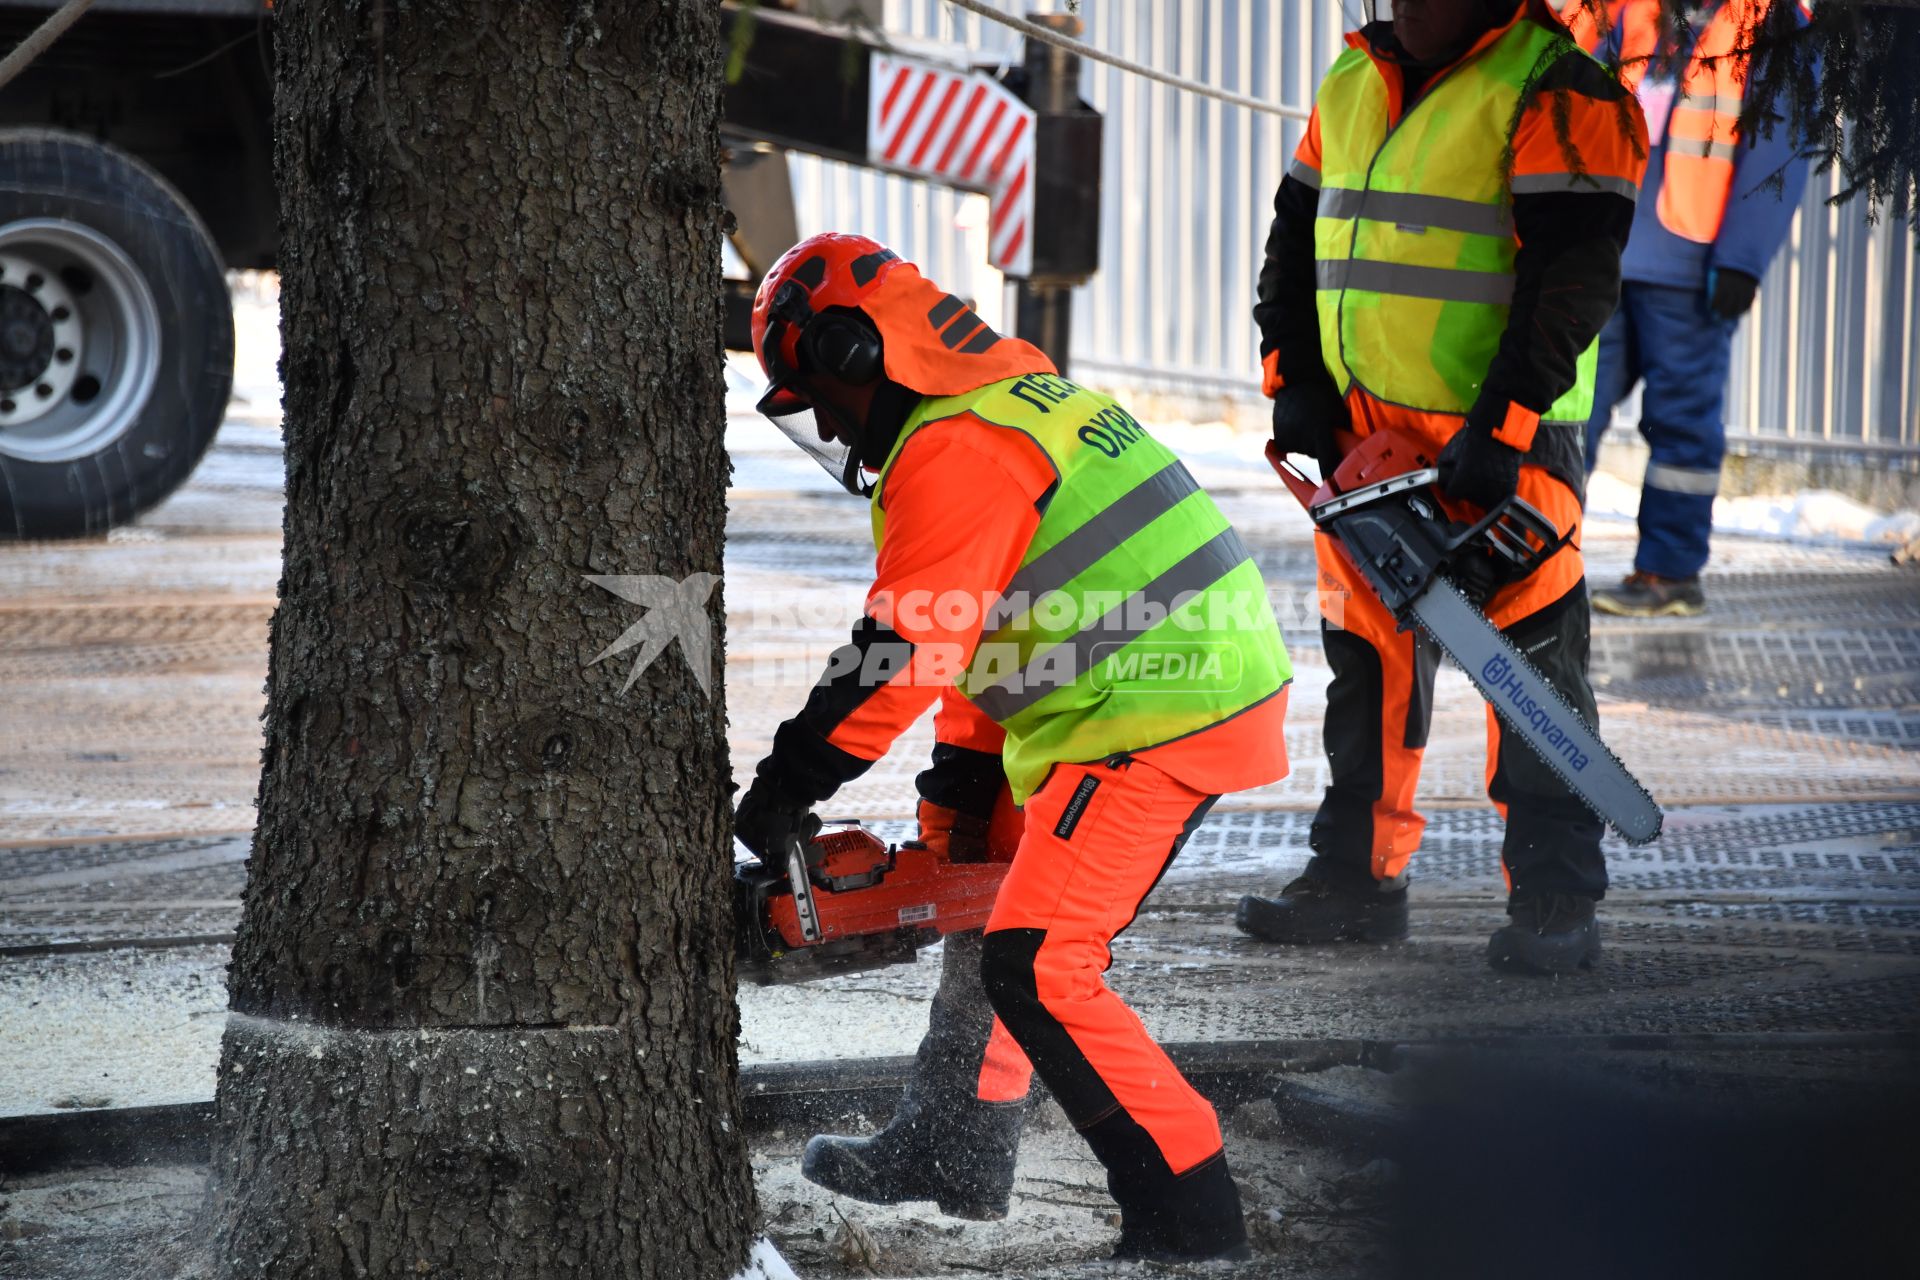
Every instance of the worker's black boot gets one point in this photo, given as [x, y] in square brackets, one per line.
[1164, 1216]
[1324, 906]
[943, 1144]
[1549, 933]
[958, 1153]
[1209, 1228]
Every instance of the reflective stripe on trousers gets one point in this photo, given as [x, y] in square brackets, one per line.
[1699, 481]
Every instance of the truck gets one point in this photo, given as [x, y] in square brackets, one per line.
[136, 169]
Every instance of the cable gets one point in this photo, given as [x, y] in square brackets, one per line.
[1034, 31]
[45, 34]
[204, 59]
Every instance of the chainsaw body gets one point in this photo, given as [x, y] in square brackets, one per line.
[1383, 508]
[860, 904]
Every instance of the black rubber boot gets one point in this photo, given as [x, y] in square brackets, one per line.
[1319, 908]
[943, 1143]
[1549, 933]
[1166, 1217]
[960, 1155]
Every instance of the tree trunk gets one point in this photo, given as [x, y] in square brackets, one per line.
[483, 1001]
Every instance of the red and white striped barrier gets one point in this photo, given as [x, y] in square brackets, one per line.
[965, 129]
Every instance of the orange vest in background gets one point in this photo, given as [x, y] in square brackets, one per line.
[1703, 131]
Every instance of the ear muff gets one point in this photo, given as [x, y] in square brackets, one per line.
[844, 346]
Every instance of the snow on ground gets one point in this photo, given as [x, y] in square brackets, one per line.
[1312, 1212]
[1812, 515]
[142, 1028]
[765, 1263]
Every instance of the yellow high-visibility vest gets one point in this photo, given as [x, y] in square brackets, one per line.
[1137, 615]
[1413, 238]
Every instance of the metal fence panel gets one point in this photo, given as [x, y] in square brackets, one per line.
[1830, 352]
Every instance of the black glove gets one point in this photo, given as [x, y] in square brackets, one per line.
[1729, 292]
[1476, 468]
[768, 815]
[1304, 420]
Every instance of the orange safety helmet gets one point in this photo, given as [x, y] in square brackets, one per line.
[905, 326]
[852, 309]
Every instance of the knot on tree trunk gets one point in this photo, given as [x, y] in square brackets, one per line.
[448, 546]
[555, 741]
[676, 187]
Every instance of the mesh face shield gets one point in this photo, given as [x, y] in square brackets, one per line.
[821, 435]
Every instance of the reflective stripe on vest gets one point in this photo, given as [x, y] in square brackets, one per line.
[1413, 230]
[1141, 612]
[1703, 130]
[1441, 283]
[1534, 184]
[1136, 616]
[1080, 550]
[1406, 208]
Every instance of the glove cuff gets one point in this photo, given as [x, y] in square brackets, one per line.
[953, 836]
[1499, 416]
[1270, 379]
[1516, 429]
[805, 767]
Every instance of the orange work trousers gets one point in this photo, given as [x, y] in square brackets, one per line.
[1380, 702]
[1097, 839]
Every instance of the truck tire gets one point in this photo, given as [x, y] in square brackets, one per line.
[116, 336]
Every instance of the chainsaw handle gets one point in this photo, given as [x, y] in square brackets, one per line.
[1511, 528]
[799, 882]
[1506, 528]
[1473, 531]
[1296, 480]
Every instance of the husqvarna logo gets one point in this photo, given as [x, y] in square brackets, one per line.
[1503, 683]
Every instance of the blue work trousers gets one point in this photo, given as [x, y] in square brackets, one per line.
[1668, 338]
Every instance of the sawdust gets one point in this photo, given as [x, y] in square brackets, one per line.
[1311, 1212]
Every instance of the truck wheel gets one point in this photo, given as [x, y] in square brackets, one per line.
[116, 336]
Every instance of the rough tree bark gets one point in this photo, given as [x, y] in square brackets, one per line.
[483, 1001]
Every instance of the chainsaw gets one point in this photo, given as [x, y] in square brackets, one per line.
[1382, 509]
[846, 901]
